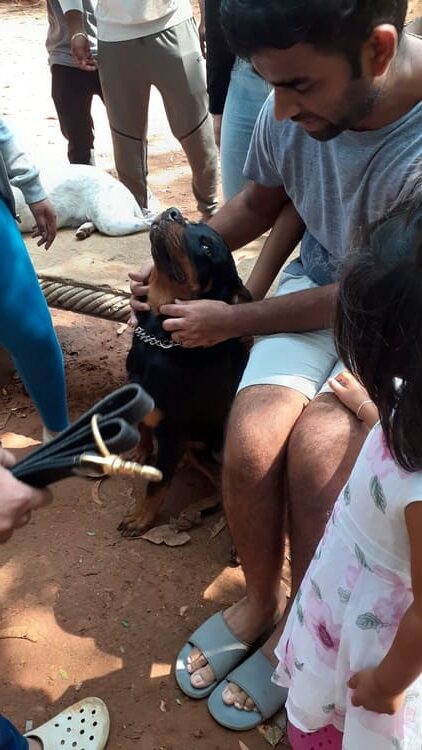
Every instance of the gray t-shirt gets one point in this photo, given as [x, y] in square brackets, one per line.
[337, 186]
[58, 41]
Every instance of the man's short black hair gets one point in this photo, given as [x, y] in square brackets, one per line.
[329, 25]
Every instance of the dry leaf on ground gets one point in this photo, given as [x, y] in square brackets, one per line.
[95, 494]
[167, 535]
[218, 527]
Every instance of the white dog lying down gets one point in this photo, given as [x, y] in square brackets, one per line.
[89, 199]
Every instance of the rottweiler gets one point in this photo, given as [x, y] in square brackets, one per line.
[193, 388]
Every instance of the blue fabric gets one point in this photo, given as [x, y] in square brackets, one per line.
[10, 738]
[26, 329]
[246, 94]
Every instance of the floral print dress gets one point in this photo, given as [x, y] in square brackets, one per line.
[346, 614]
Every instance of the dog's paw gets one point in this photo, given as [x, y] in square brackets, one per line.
[85, 230]
[135, 524]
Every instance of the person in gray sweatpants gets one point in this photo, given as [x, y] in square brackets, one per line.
[133, 56]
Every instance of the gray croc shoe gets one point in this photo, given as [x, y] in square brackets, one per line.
[83, 726]
[254, 677]
[221, 648]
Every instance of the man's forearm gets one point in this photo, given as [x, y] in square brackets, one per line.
[74, 17]
[309, 310]
[248, 215]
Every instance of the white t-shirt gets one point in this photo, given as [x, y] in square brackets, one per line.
[117, 21]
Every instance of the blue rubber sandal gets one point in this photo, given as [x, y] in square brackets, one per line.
[221, 648]
[254, 677]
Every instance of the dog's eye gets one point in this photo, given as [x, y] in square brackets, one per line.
[206, 247]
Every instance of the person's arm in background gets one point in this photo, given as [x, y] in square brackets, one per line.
[201, 28]
[23, 174]
[17, 500]
[79, 43]
[285, 234]
[219, 63]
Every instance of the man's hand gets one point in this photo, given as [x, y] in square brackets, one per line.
[200, 322]
[139, 290]
[202, 38]
[17, 500]
[369, 693]
[81, 52]
[216, 121]
[46, 224]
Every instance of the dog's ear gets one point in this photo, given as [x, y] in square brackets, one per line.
[241, 294]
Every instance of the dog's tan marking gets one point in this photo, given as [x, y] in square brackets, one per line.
[163, 290]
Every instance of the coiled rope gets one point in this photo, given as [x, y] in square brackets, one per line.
[88, 299]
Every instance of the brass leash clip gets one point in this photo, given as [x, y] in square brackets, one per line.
[111, 464]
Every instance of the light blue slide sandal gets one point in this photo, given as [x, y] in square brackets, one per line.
[221, 648]
[254, 677]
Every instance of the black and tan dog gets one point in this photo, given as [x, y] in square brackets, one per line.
[193, 388]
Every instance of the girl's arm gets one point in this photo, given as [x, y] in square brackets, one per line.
[382, 689]
[283, 238]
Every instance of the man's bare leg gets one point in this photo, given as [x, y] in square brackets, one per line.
[321, 453]
[261, 421]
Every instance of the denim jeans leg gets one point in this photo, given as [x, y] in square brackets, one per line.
[246, 94]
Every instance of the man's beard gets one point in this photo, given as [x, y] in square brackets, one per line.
[361, 100]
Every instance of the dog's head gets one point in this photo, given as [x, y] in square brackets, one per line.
[191, 261]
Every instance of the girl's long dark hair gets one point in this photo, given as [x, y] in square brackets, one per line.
[379, 326]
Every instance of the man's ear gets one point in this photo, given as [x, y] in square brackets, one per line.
[380, 50]
[241, 295]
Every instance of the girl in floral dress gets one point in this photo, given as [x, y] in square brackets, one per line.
[351, 652]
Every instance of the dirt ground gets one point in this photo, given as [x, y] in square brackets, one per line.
[84, 612]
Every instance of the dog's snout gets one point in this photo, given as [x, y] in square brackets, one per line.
[173, 214]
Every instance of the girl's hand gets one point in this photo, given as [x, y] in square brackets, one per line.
[369, 693]
[354, 396]
[348, 390]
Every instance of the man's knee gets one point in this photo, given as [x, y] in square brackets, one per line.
[260, 422]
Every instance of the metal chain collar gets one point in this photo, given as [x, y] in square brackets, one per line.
[153, 341]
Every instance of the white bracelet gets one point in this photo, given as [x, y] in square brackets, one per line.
[78, 33]
[364, 403]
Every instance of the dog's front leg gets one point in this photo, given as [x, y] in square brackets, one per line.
[150, 496]
[149, 499]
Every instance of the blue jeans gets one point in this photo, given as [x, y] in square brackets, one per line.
[26, 328]
[10, 738]
[246, 94]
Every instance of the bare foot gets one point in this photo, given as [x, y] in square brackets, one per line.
[232, 695]
[246, 624]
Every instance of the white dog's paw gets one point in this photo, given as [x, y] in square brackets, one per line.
[85, 230]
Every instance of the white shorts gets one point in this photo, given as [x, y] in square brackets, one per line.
[301, 361]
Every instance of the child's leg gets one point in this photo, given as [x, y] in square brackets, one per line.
[327, 738]
[10, 738]
[26, 329]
